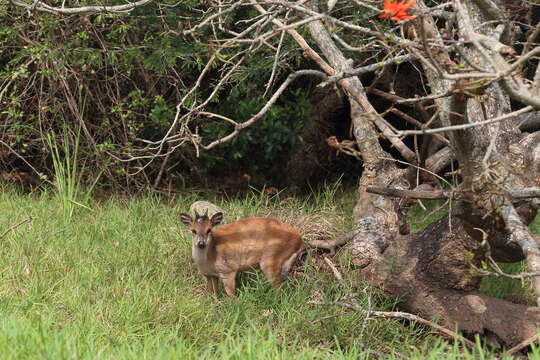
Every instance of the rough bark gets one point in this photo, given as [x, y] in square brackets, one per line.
[372, 211]
[430, 271]
[432, 277]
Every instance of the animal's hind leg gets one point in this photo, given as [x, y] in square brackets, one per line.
[272, 271]
[288, 263]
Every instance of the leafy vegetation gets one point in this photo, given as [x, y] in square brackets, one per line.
[125, 75]
[117, 282]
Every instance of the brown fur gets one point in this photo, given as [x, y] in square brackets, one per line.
[230, 248]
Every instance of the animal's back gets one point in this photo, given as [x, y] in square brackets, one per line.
[253, 240]
[256, 227]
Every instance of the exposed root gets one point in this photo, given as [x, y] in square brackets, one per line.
[332, 244]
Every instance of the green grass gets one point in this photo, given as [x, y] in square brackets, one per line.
[118, 282]
[67, 176]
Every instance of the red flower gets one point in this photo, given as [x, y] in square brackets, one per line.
[397, 10]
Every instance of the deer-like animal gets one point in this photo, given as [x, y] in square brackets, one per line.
[220, 252]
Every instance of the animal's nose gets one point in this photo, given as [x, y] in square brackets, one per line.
[201, 245]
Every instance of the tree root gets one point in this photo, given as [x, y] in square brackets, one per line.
[333, 243]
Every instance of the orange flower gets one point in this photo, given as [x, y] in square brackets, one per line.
[397, 10]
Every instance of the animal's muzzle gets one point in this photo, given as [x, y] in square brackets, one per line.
[201, 244]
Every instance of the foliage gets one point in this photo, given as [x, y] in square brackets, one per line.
[124, 75]
[119, 283]
[271, 140]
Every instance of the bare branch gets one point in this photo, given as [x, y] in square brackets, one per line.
[13, 227]
[334, 269]
[412, 194]
[345, 25]
[265, 108]
[522, 345]
[367, 69]
[526, 193]
[465, 126]
[333, 243]
[24, 160]
[520, 234]
[402, 315]
[41, 6]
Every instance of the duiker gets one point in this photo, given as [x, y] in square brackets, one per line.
[222, 251]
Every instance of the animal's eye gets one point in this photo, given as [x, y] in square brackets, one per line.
[208, 231]
[193, 231]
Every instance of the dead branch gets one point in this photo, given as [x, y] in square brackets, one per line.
[346, 25]
[390, 97]
[497, 271]
[522, 345]
[364, 113]
[491, 51]
[439, 160]
[41, 6]
[417, 123]
[367, 69]
[449, 334]
[465, 126]
[413, 194]
[13, 227]
[527, 193]
[336, 272]
[25, 161]
[520, 234]
[240, 126]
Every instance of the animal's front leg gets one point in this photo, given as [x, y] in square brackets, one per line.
[212, 282]
[229, 281]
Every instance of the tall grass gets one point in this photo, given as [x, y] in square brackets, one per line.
[119, 283]
[67, 175]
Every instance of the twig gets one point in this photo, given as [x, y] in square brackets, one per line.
[41, 6]
[497, 271]
[366, 69]
[336, 272]
[24, 160]
[465, 126]
[401, 315]
[412, 194]
[13, 227]
[522, 345]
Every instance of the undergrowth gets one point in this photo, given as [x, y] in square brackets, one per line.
[118, 282]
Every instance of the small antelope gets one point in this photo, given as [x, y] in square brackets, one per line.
[223, 251]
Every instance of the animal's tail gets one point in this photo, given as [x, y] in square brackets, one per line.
[290, 261]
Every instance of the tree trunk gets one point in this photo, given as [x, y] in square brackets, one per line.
[430, 271]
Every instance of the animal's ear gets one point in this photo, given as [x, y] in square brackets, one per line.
[217, 218]
[186, 219]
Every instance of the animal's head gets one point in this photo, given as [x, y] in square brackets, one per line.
[201, 227]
